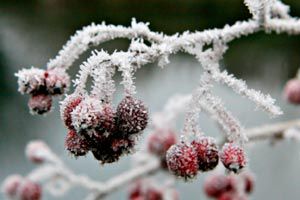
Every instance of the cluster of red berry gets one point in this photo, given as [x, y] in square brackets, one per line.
[42, 85]
[95, 126]
[17, 187]
[230, 187]
[186, 159]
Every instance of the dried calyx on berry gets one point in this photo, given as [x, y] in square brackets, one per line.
[233, 157]
[182, 160]
[57, 81]
[132, 115]
[207, 152]
[31, 81]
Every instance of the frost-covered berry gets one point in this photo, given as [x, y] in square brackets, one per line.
[142, 190]
[86, 114]
[75, 144]
[40, 104]
[31, 81]
[160, 141]
[57, 81]
[292, 91]
[107, 119]
[152, 193]
[249, 182]
[135, 191]
[182, 160]
[233, 157]
[36, 151]
[232, 196]
[207, 152]
[132, 115]
[216, 185]
[11, 185]
[29, 190]
[66, 108]
[111, 149]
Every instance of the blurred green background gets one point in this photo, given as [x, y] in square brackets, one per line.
[32, 32]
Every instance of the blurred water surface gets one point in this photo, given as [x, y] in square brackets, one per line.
[33, 31]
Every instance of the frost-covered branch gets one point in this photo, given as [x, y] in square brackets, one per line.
[95, 126]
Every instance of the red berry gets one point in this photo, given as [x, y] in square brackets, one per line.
[30, 191]
[153, 194]
[107, 119]
[86, 115]
[292, 91]
[67, 107]
[11, 185]
[111, 149]
[136, 191]
[232, 196]
[207, 151]
[141, 190]
[160, 141]
[75, 144]
[249, 182]
[57, 81]
[132, 115]
[182, 160]
[233, 157]
[216, 185]
[40, 104]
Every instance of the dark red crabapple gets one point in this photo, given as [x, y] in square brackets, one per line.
[182, 160]
[207, 152]
[40, 104]
[132, 115]
[233, 157]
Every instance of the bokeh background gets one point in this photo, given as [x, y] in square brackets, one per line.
[33, 31]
